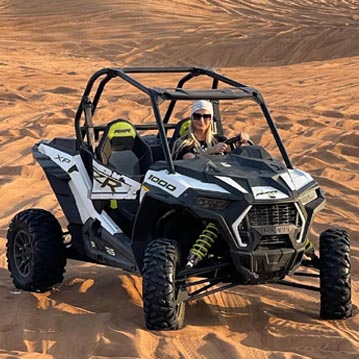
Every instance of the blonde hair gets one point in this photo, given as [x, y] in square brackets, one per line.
[190, 140]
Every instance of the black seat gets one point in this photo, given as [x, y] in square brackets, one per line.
[122, 149]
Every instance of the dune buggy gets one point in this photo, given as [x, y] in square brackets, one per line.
[189, 227]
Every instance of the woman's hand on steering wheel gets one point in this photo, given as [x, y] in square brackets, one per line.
[241, 139]
[220, 148]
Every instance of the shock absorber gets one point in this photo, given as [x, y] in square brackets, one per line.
[310, 252]
[202, 245]
[309, 248]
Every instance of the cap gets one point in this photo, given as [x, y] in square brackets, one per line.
[202, 105]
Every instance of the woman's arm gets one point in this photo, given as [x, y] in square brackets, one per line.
[219, 147]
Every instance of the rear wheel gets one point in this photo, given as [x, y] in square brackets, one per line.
[335, 275]
[35, 250]
[160, 290]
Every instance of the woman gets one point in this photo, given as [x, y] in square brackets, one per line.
[200, 138]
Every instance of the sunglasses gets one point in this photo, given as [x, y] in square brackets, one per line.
[198, 116]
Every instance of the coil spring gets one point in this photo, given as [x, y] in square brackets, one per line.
[205, 240]
[309, 248]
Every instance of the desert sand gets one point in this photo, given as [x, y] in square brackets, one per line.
[303, 56]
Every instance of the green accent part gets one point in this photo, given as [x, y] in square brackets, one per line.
[121, 129]
[184, 127]
[113, 204]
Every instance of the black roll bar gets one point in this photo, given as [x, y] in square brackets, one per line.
[179, 93]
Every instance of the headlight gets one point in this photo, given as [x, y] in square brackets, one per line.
[309, 197]
[212, 203]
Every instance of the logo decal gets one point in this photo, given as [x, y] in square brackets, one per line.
[162, 183]
[127, 130]
[272, 194]
[62, 159]
[110, 251]
[107, 181]
[225, 164]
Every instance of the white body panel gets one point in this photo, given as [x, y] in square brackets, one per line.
[80, 185]
[296, 179]
[176, 184]
[107, 184]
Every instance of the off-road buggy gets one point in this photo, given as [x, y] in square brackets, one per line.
[189, 227]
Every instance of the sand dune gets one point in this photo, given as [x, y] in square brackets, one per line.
[302, 56]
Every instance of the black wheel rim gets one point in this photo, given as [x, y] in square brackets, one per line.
[23, 253]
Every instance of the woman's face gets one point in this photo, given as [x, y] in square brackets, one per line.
[201, 121]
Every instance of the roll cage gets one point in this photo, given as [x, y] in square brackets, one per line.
[157, 95]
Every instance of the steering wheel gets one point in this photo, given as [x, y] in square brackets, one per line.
[231, 142]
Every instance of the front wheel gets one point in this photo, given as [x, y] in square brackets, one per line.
[160, 290]
[335, 275]
[35, 250]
